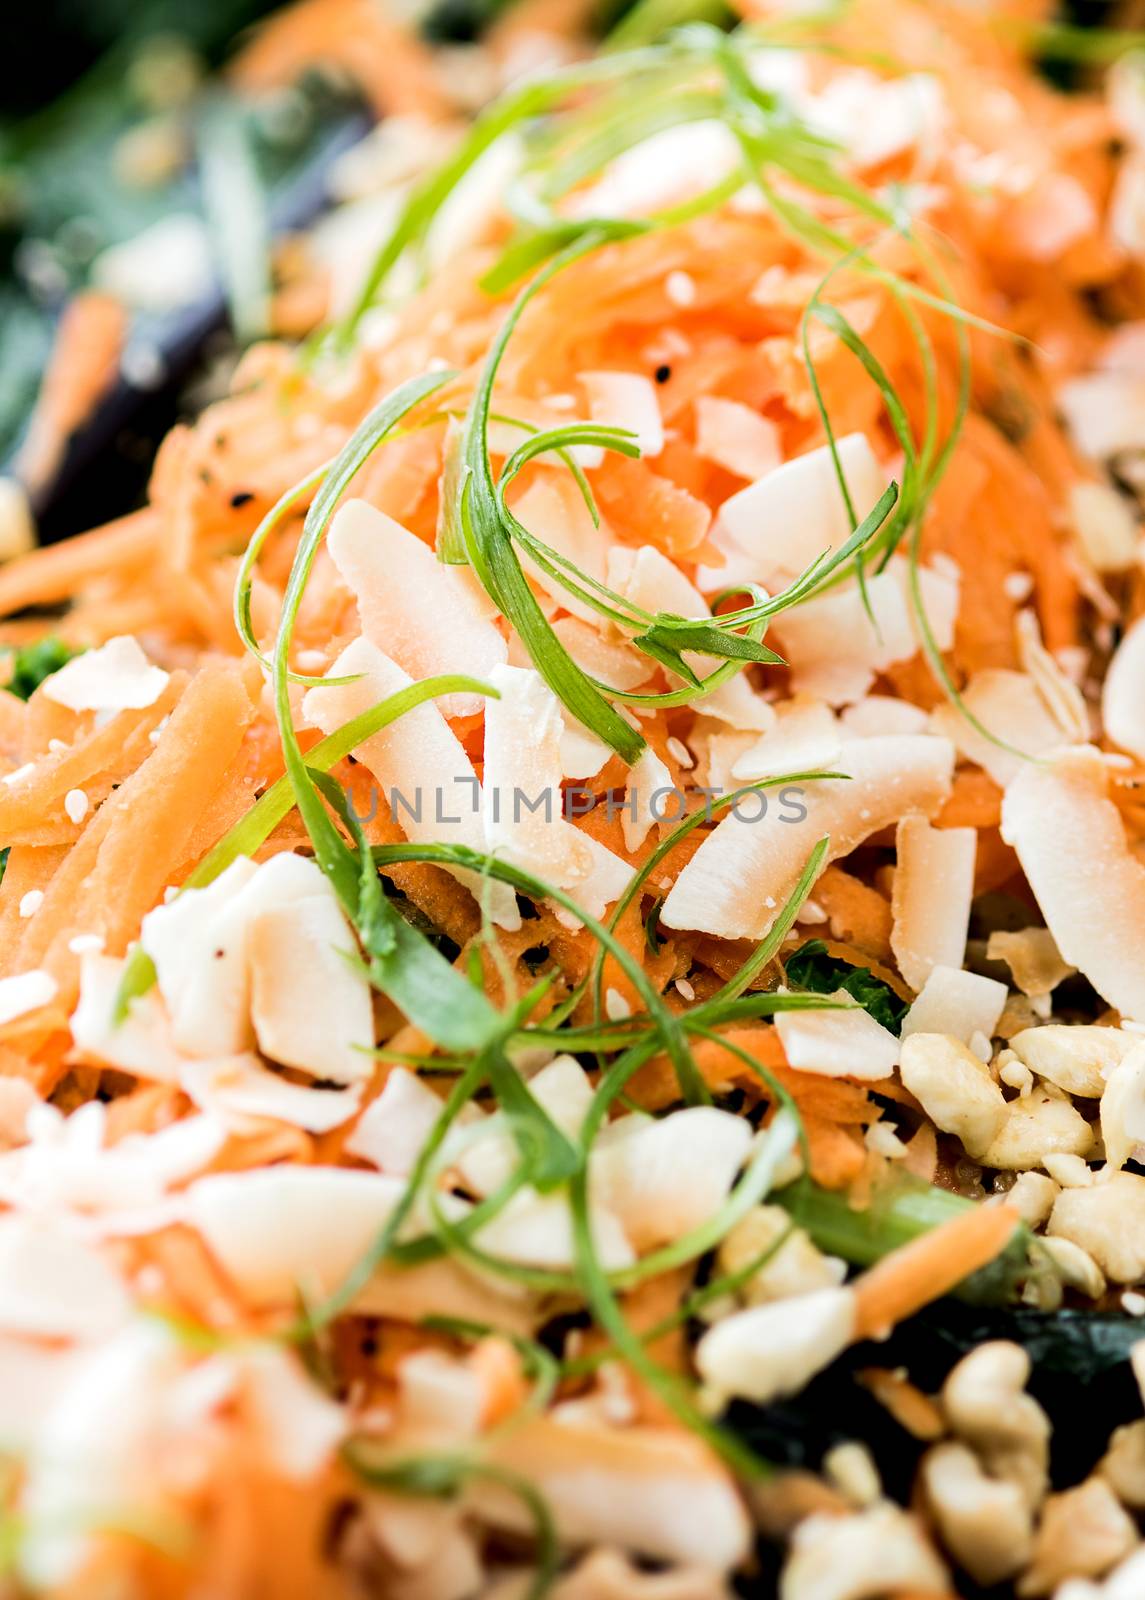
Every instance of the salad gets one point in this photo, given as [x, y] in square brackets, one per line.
[572, 931]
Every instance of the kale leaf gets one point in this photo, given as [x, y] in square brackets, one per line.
[35, 662]
[811, 968]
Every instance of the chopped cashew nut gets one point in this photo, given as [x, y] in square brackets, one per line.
[985, 1523]
[954, 1088]
[986, 1405]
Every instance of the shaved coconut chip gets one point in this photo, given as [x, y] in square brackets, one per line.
[238, 1089]
[659, 1492]
[606, 659]
[649, 790]
[666, 169]
[522, 800]
[582, 753]
[536, 1230]
[1009, 706]
[835, 651]
[393, 1128]
[746, 870]
[1123, 1108]
[662, 1177]
[1089, 885]
[1105, 412]
[200, 944]
[875, 119]
[776, 527]
[67, 1164]
[115, 677]
[1105, 524]
[429, 782]
[25, 992]
[607, 878]
[311, 1006]
[804, 739]
[96, 1453]
[562, 1089]
[53, 1286]
[626, 400]
[430, 617]
[838, 1044]
[881, 714]
[933, 887]
[296, 1425]
[1061, 695]
[444, 1289]
[279, 1230]
[441, 1393]
[651, 581]
[31, 1375]
[553, 510]
[141, 1043]
[736, 438]
[719, 749]
[1034, 960]
[957, 1003]
[1123, 694]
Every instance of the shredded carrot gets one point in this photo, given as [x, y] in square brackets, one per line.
[930, 1266]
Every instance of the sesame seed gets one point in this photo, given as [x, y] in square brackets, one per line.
[31, 902]
[83, 943]
[76, 804]
[680, 289]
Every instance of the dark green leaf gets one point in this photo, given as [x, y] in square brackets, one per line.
[813, 969]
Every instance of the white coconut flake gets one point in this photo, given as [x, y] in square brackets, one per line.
[54, 1286]
[772, 530]
[742, 863]
[648, 579]
[1009, 706]
[838, 1043]
[1089, 885]
[25, 992]
[834, 649]
[553, 510]
[429, 617]
[68, 1165]
[737, 438]
[115, 677]
[933, 888]
[311, 1004]
[242, 1088]
[957, 1003]
[393, 1128]
[881, 714]
[663, 1176]
[626, 400]
[1105, 525]
[536, 1230]
[806, 738]
[280, 1230]
[140, 1042]
[427, 781]
[1123, 694]
[522, 795]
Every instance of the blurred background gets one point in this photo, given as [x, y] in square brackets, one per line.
[156, 159]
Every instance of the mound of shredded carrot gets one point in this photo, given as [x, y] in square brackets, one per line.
[590, 827]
